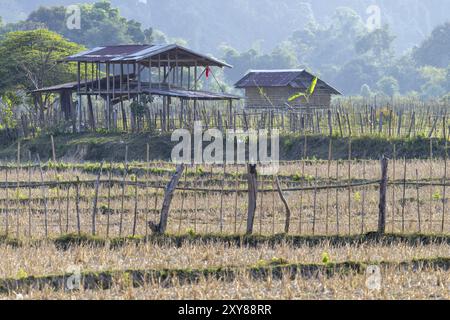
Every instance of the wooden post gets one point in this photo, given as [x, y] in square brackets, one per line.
[252, 194]
[393, 188]
[286, 206]
[53, 149]
[29, 194]
[44, 196]
[108, 212]
[315, 204]
[236, 186]
[328, 182]
[94, 210]
[221, 198]
[6, 203]
[77, 203]
[444, 135]
[183, 197]
[125, 173]
[330, 126]
[135, 206]
[147, 178]
[419, 220]
[168, 195]
[67, 207]
[18, 167]
[383, 190]
[349, 185]
[404, 195]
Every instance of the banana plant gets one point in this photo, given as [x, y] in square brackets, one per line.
[307, 94]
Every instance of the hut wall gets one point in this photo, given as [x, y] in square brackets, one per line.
[278, 96]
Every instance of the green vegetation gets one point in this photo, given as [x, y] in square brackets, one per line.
[276, 269]
[111, 147]
[67, 241]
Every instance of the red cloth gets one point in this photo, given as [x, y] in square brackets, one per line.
[207, 72]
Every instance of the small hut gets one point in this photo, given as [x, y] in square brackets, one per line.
[138, 74]
[272, 89]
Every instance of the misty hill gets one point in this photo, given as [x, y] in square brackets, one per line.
[206, 24]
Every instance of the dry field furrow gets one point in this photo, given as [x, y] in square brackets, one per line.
[424, 284]
[46, 259]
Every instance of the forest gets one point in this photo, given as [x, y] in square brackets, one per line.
[96, 201]
[331, 41]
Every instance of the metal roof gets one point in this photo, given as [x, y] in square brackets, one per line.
[281, 78]
[136, 53]
[190, 95]
[268, 78]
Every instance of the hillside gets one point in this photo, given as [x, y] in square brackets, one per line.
[243, 23]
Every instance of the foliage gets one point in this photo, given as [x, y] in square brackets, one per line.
[282, 57]
[29, 60]
[100, 24]
[307, 94]
[8, 103]
[435, 50]
[388, 85]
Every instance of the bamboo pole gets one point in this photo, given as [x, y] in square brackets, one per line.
[236, 187]
[363, 205]
[273, 205]
[337, 198]
[44, 196]
[252, 195]
[315, 204]
[383, 190]
[122, 208]
[67, 207]
[77, 204]
[6, 204]
[445, 173]
[147, 204]
[328, 182]
[108, 206]
[431, 186]
[221, 197]
[95, 207]
[135, 206]
[29, 195]
[18, 190]
[418, 201]
[349, 184]
[404, 196]
[393, 189]
[183, 197]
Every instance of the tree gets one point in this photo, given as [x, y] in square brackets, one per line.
[435, 50]
[365, 91]
[405, 70]
[376, 45]
[29, 61]
[354, 74]
[320, 46]
[388, 85]
[447, 79]
[100, 24]
[282, 57]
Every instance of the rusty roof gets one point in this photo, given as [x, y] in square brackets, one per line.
[136, 53]
[296, 78]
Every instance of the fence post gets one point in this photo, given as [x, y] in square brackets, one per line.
[170, 190]
[383, 190]
[94, 206]
[286, 206]
[252, 192]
